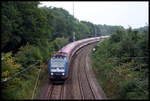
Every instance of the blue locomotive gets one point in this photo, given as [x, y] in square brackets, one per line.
[58, 67]
[59, 63]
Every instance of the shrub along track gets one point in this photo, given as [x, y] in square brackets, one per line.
[81, 83]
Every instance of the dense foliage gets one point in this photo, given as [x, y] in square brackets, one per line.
[24, 22]
[31, 34]
[28, 36]
[121, 64]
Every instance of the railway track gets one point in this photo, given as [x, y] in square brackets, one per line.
[81, 83]
[86, 89]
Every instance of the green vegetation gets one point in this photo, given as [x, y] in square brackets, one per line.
[121, 64]
[30, 37]
[28, 40]
[18, 86]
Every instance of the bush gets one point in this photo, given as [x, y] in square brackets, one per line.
[18, 85]
[9, 66]
[117, 65]
[28, 55]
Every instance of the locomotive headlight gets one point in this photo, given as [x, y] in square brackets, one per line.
[63, 73]
[51, 73]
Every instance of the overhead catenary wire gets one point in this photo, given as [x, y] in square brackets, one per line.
[134, 79]
[12, 77]
[134, 58]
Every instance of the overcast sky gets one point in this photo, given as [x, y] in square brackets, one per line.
[134, 14]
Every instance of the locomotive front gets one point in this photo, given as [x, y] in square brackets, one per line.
[58, 67]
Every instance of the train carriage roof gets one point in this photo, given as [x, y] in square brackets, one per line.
[68, 48]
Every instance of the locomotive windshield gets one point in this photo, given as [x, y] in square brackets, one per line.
[58, 64]
[58, 60]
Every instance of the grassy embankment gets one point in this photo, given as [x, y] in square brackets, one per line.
[121, 65]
